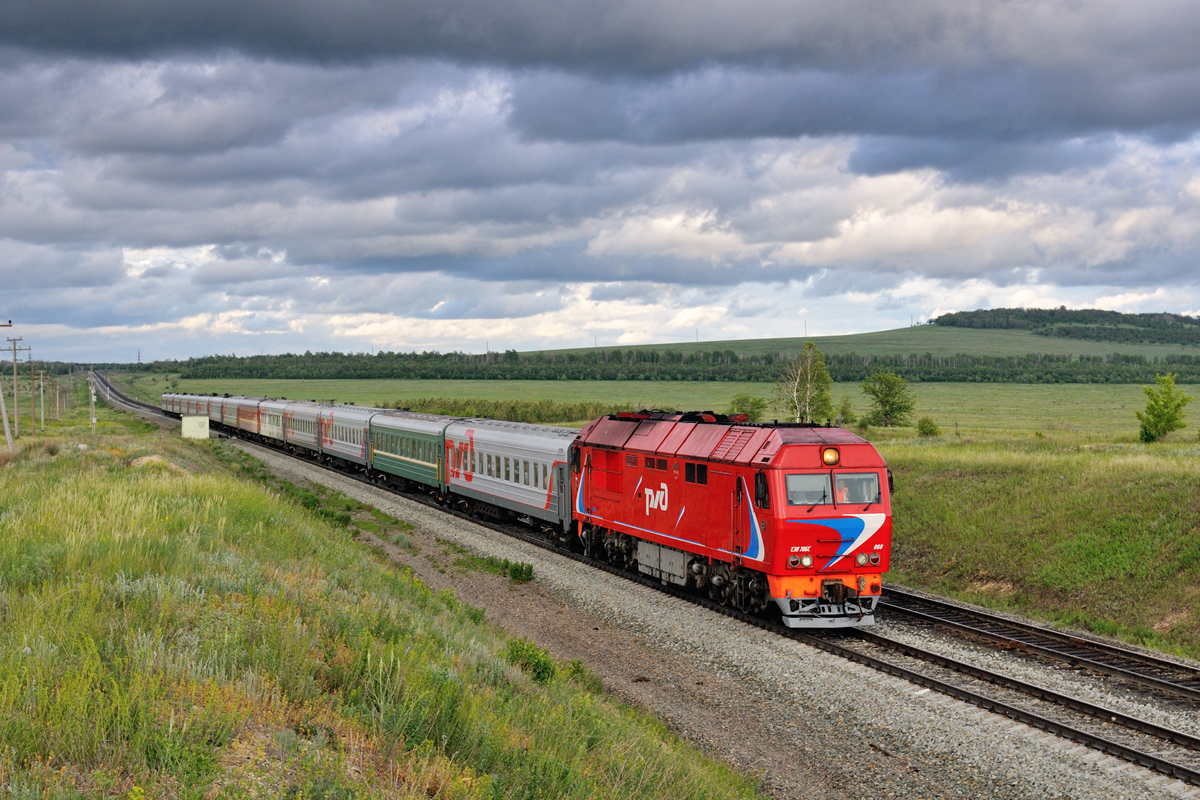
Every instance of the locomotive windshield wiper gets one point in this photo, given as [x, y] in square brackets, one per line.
[819, 502]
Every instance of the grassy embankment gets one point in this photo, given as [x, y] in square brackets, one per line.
[175, 629]
[1104, 537]
[1035, 498]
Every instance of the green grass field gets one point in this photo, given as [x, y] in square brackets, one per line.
[178, 625]
[1094, 412]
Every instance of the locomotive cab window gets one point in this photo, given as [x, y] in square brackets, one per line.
[856, 487]
[809, 490]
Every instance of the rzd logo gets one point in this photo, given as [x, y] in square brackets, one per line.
[656, 499]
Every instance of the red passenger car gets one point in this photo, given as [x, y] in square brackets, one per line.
[794, 516]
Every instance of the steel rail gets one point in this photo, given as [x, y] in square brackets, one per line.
[1125, 752]
[1167, 685]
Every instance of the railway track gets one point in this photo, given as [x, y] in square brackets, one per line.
[1162, 749]
[1107, 658]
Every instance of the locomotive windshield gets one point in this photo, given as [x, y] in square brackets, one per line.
[856, 487]
[809, 490]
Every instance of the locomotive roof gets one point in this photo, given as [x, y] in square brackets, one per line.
[707, 436]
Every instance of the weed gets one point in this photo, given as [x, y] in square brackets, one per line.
[576, 671]
[531, 659]
[517, 571]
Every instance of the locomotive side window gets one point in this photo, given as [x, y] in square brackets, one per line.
[649, 462]
[692, 473]
[761, 496]
[856, 487]
[809, 490]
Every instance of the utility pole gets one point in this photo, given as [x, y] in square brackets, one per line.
[16, 410]
[42, 396]
[92, 400]
[32, 395]
[4, 411]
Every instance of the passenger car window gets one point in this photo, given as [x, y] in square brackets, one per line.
[856, 487]
[526, 473]
[808, 490]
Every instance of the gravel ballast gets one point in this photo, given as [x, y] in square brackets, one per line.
[808, 723]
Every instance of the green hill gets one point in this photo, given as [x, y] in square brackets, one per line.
[937, 340]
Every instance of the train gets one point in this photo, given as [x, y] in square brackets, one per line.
[790, 520]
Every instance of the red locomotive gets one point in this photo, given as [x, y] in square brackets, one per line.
[792, 514]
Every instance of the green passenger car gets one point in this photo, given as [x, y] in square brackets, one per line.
[410, 446]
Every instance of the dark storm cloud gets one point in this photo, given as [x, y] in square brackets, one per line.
[614, 35]
[665, 71]
[999, 108]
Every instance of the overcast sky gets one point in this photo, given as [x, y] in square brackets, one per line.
[231, 176]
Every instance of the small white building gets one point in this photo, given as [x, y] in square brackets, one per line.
[195, 427]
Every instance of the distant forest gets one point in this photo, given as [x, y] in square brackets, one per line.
[1092, 325]
[673, 365]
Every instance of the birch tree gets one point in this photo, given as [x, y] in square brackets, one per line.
[804, 385]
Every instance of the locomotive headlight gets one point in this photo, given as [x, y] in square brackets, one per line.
[874, 559]
[830, 456]
[861, 559]
[806, 561]
[794, 561]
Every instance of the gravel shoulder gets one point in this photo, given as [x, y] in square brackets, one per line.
[807, 723]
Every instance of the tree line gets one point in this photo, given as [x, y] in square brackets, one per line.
[1088, 324]
[661, 365]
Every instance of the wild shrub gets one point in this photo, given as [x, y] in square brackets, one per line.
[927, 427]
[520, 572]
[531, 659]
